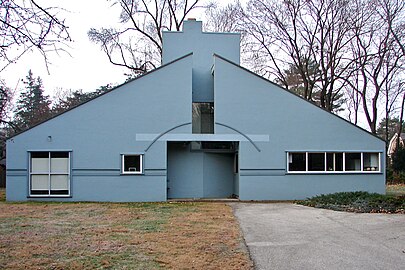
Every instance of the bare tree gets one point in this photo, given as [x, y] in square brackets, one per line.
[27, 26]
[224, 19]
[294, 34]
[137, 44]
[377, 59]
[5, 99]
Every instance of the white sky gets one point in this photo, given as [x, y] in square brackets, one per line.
[87, 67]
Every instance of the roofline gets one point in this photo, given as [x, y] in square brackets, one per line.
[208, 33]
[296, 95]
[104, 93]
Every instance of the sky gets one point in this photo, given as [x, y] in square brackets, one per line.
[87, 67]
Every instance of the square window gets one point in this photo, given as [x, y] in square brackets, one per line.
[132, 164]
[49, 173]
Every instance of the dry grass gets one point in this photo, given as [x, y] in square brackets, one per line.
[120, 236]
[396, 190]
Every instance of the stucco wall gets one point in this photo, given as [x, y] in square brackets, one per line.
[99, 131]
[253, 105]
[203, 45]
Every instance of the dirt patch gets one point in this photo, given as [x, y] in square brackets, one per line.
[120, 236]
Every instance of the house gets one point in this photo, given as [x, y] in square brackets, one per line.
[392, 145]
[199, 126]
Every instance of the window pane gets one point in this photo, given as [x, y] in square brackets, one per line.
[39, 182]
[39, 164]
[59, 182]
[296, 162]
[316, 162]
[59, 192]
[39, 154]
[59, 154]
[338, 161]
[59, 165]
[203, 118]
[132, 163]
[353, 161]
[330, 161]
[371, 162]
[334, 161]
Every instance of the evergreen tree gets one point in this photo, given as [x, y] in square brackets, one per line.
[77, 97]
[392, 128]
[33, 105]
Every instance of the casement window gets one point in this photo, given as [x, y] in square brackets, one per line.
[132, 164]
[49, 174]
[333, 162]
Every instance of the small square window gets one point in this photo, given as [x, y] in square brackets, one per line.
[132, 164]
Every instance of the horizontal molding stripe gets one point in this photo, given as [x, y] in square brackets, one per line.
[262, 172]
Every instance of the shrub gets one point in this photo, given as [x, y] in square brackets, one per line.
[359, 201]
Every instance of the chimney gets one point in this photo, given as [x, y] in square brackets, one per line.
[192, 25]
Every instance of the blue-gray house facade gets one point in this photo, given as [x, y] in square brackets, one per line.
[200, 126]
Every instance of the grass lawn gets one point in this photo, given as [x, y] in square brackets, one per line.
[120, 236]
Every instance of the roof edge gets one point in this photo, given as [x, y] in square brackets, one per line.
[282, 88]
[106, 92]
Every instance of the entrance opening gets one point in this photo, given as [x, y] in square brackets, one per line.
[206, 171]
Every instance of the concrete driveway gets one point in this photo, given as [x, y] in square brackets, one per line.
[288, 236]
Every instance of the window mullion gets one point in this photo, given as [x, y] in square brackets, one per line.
[306, 161]
[334, 162]
[344, 161]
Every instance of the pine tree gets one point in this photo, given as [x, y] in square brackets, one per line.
[33, 106]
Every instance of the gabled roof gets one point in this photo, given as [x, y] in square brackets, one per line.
[294, 94]
[104, 93]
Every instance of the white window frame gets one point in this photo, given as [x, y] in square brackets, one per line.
[49, 173]
[141, 156]
[344, 171]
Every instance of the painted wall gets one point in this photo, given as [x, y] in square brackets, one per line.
[184, 172]
[218, 175]
[203, 45]
[197, 174]
[253, 105]
[99, 131]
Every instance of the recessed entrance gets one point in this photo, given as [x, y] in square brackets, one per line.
[201, 173]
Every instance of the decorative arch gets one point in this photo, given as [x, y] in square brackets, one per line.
[241, 133]
[165, 132]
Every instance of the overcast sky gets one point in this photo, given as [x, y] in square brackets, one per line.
[87, 67]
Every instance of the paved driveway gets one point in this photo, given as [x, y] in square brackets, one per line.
[288, 236]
